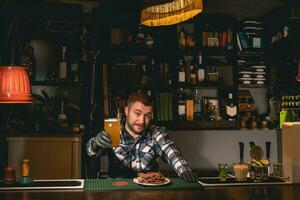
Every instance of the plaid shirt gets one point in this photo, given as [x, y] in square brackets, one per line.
[141, 154]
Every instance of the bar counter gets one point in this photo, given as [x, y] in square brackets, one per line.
[275, 192]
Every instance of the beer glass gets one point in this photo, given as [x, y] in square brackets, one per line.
[113, 126]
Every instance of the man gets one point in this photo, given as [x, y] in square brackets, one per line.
[140, 144]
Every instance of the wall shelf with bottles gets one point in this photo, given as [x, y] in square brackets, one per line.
[49, 47]
[162, 61]
[283, 54]
[205, 73]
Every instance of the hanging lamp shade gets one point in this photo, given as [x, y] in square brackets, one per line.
[166, 12]
[14, 85]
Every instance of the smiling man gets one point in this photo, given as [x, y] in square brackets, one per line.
[141, 144]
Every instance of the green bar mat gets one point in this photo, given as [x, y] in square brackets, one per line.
[108, 184]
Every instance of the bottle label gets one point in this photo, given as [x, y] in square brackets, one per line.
[231, 111]
[197, 106]
[181, 110]
[193, 78]
[201, 75]
[181, 77]
[74, 69]
[190, 110]
[62, 70]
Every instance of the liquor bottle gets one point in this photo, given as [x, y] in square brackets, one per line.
[140, 36]
[149, 41]
[197, 105]
[169, 79]
[200, 69]
[74, 69]
[62, 119]
[62, 72]
[231, 108]
[192, 76]
[144, 79]
[181, 38]
[152, 70]
[190, 109]
[181, 71]
[181, 105]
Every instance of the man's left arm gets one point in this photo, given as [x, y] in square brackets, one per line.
[169, 152]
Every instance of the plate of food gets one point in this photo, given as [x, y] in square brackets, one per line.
[151, 179]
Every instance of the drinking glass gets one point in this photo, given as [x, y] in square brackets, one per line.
[113, 126]
[277, 167]
[240, 171]
[223, 170]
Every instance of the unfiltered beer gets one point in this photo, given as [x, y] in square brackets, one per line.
[113, 126]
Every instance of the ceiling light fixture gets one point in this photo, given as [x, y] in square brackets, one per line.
[169, 12]
[14, 85]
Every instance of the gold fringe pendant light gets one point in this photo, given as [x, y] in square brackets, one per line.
[163, 13]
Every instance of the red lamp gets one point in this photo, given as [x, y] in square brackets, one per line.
[14, 85]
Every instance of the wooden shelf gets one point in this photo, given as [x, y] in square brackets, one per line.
[196, 125]
[56, 83]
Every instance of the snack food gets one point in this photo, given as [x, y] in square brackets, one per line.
[151, 177]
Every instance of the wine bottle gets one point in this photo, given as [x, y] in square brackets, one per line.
[181, 105]
[181, 38]
[74, 69]
[152, 70]
[144, 79]
[62, 73]
[193, 75]
[231, 108]
[181, 71]
[200, 69]
[62, 119]
[197, 105]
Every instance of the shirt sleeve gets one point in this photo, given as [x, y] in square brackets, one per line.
[91, 148]
[169, 152]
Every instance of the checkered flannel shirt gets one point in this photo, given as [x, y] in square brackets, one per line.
[141, 154]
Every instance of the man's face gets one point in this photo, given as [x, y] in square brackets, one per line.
[138, 117]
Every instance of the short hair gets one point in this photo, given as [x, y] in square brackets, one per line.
[139, 97]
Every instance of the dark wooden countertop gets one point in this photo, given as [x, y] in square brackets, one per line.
[279, 192]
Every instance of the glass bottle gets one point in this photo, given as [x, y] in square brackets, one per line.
[144, 79]
[152, 70]
[62, 72]
[181, 105]
[181, 71]
[62, 119]
[200, 69]
[193, 75]
[231, 108]
[197, 105]
[190, 108]
[181, 38]
[74, 68]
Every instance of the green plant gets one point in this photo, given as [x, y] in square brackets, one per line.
[49, 104]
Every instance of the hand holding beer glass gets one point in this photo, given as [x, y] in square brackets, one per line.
[113, 126]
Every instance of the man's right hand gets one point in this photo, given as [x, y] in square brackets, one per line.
[101, 141]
